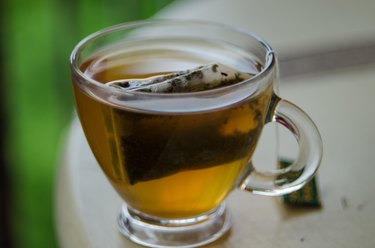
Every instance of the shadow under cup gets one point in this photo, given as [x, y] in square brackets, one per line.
[173, 158]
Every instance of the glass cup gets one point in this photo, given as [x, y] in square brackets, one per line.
[174, 158]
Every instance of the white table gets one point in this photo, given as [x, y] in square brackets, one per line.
[341, 103]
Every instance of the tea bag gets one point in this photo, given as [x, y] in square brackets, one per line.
[152, 146]
[198, 79]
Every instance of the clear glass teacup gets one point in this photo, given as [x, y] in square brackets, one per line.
[175, 157]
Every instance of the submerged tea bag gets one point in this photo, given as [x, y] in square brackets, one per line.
[152, 146]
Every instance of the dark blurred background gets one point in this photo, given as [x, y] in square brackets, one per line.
[36, 105]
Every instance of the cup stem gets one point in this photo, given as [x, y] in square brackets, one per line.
[196, 231]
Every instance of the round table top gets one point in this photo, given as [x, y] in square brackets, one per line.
[87, 206]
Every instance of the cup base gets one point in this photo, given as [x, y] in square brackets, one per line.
[150, 231]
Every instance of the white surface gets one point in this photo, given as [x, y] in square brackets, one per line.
[290, 26]
[340, 102]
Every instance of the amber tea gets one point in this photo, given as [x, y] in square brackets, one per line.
[170, 165]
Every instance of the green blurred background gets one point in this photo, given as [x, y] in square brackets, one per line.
[36, 40]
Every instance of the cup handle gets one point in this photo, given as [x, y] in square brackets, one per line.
[289, 179]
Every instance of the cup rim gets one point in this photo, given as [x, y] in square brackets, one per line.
[73, 60]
